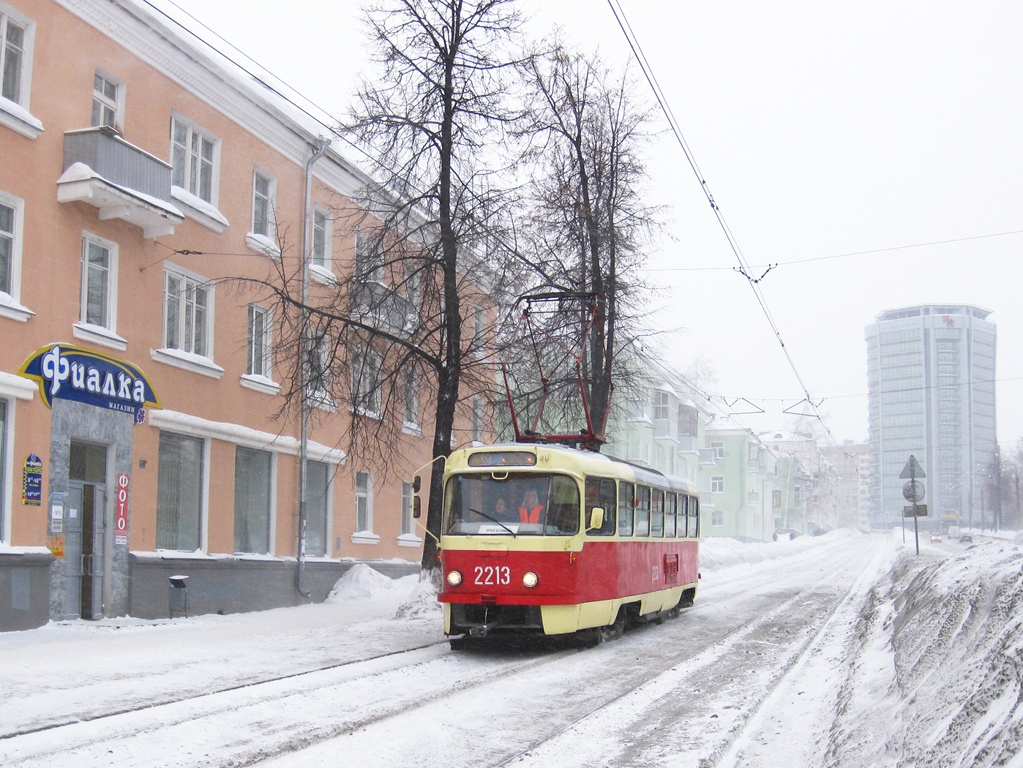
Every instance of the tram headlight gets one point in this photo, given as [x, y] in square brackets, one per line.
[530, 579]
[454, 578]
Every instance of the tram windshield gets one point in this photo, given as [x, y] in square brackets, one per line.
[511, 504]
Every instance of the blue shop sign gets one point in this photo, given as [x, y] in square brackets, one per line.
[73, 373]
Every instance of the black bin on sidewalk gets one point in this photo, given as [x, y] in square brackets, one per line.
[178, 598]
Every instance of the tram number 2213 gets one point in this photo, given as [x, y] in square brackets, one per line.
[487, 575]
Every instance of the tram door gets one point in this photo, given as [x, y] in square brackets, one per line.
[83, 552]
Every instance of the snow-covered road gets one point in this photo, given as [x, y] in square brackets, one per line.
[771, 667]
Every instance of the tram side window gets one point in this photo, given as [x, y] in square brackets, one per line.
[643, 511]
[657, 513]
[626, 508]
[694, 516]
[683, 515]
[669, 515]
[563, 507]
[600, 492]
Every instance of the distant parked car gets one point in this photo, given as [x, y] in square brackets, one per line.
[965, 538]
[785, 534]
[936, 536]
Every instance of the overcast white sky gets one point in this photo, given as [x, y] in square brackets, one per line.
[874, 151]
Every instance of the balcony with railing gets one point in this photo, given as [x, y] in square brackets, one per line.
[119, 179]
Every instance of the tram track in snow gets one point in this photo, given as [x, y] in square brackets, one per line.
[339, 706]
[622, 704]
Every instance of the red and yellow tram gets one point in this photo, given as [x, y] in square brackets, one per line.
[551, 540]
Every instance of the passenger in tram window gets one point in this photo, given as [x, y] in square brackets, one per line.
[501, 511]
[531, 509]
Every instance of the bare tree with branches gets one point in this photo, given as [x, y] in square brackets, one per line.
[588, 217]
[400, 326]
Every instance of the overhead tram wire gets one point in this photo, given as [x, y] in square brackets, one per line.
[662, 101]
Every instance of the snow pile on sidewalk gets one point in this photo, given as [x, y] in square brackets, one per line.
[938, 678]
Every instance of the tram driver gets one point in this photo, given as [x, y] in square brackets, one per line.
[531, 510]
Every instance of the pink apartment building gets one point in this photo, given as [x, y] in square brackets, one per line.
[137, 391]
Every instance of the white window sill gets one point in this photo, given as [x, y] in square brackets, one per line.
[409, 540]
[11, 309]
[260, 384]
[322, 275]
[18, 118]
[375, 415]
[97, 334]
[411, 429]
[365, 537]
[262, 244]
[197, 209]
[322, 401]
[187, 361]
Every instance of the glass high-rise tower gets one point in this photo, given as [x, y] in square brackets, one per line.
[931, 394]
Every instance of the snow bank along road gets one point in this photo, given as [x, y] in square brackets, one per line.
[781, 662]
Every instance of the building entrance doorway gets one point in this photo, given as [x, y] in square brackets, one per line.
[85, 552]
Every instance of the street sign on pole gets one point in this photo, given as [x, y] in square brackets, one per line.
[912, 470]
[914, 510]
[913, 491]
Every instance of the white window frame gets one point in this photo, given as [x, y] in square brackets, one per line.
[318, 380]
[101, 100]
[178, 356]
[14, 112]
[364, 499]
[104, 332]
[408, 536]
[271, 500]
[410, 402]
[10, 301]
[367, 399]
[477, 420]
[184, 180]
[264, 242]
[717, 484]
[321, 245]
[263, 345]
[369, 261]
[204, 474]
[717, 450]
[327, 505]
[6, 467]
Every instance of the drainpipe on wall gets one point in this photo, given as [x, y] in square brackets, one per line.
[307, 251]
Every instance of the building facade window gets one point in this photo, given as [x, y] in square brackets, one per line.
[10, 248]
[369, 256]
[717, 450]
[477, 419]
[366, 395]
[194, 159]
[263, 205]
[321, 256]
[318, 368]
[317, 494]
[107, 101]
[363, 502]
[258, 362]
[717, 484]
[15, 54]
[408, 526]
[410, 401]
[252, 483]
[99, 283]
[179, 493]
[4, 485]
[188, 313]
